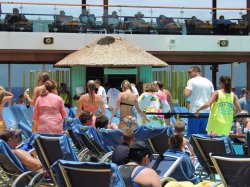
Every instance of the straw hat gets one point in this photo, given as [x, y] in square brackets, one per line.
[111, 51]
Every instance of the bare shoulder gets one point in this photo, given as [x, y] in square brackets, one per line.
[148, 177]
[20, 152]
[39, 89]
[166, 91]
[148, 172]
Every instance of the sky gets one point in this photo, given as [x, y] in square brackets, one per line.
[75, 11]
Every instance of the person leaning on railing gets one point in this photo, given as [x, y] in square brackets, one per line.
[10, 19]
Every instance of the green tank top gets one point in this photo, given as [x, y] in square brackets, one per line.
[65, 98]
[221, 115]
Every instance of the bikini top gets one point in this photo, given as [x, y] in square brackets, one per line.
[122, 103]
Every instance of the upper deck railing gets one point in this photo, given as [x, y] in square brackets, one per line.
[96, 18]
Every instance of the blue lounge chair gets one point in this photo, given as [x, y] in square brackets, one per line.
[22, 121]
[89, 137]
[204, 145]
[232, 169]
[111, 137]
[145, 132]
[18, 175]
[50, 148]
[164, 165]
[87, 174]
[9, 118]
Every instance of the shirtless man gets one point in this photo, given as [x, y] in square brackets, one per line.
[42, 78]
[10, 136]
[4, 97]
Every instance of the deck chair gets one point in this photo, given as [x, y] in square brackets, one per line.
[50, 148]
[22, 121]
[204, 145]
[146, 132]
[159, 143]
[17, 174]
[111, 137]
[156, 137]
[87, 174]
[232, 169]
[9, 118]
[164, 165]
[72, 112]
[28, 112]
[89, 137]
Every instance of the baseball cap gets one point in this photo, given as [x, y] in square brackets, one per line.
[128, 122]
[8, 133]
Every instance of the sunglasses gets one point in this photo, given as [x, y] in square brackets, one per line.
[89, 116]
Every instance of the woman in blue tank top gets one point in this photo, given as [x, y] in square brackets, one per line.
[136, 173]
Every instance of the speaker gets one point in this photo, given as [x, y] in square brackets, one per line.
[48, 40]
[223, 43]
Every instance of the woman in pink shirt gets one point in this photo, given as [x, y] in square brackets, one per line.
[49, 111]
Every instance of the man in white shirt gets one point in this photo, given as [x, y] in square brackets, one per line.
[200, 90]
[112, 96]
[101, 91]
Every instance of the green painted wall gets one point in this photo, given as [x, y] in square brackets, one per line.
[77, 78]
[145, 74]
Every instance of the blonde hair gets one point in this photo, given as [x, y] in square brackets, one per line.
[151, 87]
[43, 76]
[126, 85]
[91, 85]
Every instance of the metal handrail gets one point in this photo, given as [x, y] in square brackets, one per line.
[124, 6]
[188, 115]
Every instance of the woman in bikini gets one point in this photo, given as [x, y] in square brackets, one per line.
[4, 97]
[126, 100]
[91, 101]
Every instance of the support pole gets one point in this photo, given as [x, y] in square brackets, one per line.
[105, 12]
[232, 75]
[248, 75]
[248, 14]
[214, 69]
[83, 7]
[214, 15]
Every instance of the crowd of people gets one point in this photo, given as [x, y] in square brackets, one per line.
[50, 112]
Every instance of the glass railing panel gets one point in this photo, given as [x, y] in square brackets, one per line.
[233, 22]
[128, 20]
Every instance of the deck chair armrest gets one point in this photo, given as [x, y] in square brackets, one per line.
[106, 156]
[15, 183]
[217, 184]
[19, 145]
[32, 182]
[81, 155]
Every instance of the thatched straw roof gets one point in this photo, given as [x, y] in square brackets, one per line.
[110, 52]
